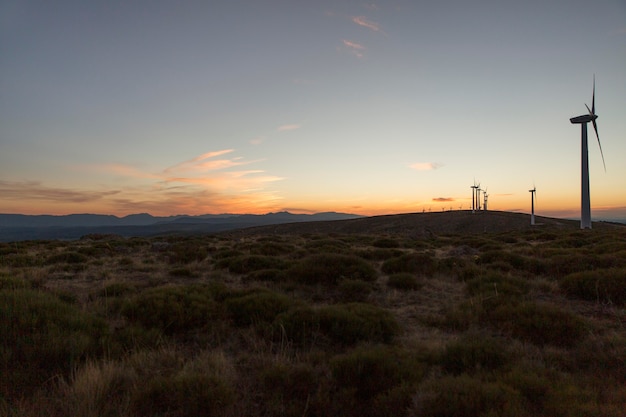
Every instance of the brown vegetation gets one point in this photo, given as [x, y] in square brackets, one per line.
[367, 317]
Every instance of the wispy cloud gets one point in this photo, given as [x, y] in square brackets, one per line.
[36, 191]
[207, 183]
[285, 128]
[425, 166]
[444, 199]
[354, 47]
[362, 21]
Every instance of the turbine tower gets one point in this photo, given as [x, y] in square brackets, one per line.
[474, 187]
[532, 205]
[585, 203]
[478, 190]
[485, 197]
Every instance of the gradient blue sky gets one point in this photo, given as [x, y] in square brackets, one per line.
[194, 107]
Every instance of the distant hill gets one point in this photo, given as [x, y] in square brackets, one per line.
[15, 227]
[422, 225]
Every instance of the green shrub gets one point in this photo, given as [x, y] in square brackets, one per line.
[117, 289]
[326, 246]
[370, 371]
[20, 260]
[173, 309]
[186, 251]
[492, 284]
[466, 396]
[245, 264]
[258, 307]
[184, 395]
[41, 336]
[343, 324]
[404, 281]
[12, 283]
[287, 389]
[473, 353]
[68, 257]
[386, 242]
[415, 263]
[354, 290]
[540, 324]
[270, 275]
[350, 323]
[604, 285]
[378, 254]
[183, 272]
[329, 269]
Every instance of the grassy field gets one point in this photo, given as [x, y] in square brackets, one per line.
[521, 323]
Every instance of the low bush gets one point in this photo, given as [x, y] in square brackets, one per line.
[386, 242]
[374, 381]
[354, 290]
[415, 263]
[494, 284]
[404, 281]
[603, 286]
[467, 396]
[173, 309]
[269, 275]
[329, 269]
[42, 336]
[541, 324]
[258, 307]
[68, 257]
[245, 264]
[343, 324]
[474, 353]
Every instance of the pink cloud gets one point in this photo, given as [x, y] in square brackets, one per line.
[425, 166]
[285, 128]
[362, 21]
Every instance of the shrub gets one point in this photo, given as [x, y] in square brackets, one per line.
[287, 389]
[329, 269]
[473, 353]
[415, 263]
[68, 257]
[187, 251]
[271, 275]
[262, 306]
[41, 336]
[245, 264]
[466, 396]
[343, 324]
[404, 281]
[173, 309]
[386, 242]
[354, 290]
[494, 283]
[540, 324]
[605, 285]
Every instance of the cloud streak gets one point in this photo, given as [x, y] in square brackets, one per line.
[354, 47]
[425, 166]
[207, 183]
[363, 22]
[286, 128]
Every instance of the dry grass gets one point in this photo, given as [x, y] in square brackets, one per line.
[200, 320]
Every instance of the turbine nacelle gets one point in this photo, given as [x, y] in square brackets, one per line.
[585, 118]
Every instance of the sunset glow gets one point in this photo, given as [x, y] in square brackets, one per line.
[369, 109]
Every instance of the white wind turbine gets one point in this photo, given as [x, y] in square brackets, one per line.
[474, 187]
[485, 197]
[585, 203]
[532, 205]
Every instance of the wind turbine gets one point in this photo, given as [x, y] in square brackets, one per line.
[532, 205]
[585, 203]
[485, 196]
[478, 190]
[474, 187]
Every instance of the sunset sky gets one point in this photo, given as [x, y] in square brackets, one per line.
[253, 106]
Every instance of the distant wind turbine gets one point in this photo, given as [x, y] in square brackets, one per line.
[478, 190]
[474, 187]
[585, 203]
[485, 197]
[532, 205]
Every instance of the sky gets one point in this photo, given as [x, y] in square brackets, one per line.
[251, 106]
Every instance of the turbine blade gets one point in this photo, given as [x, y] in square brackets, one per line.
[589, 110]
[595, 127]
[593, 96]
